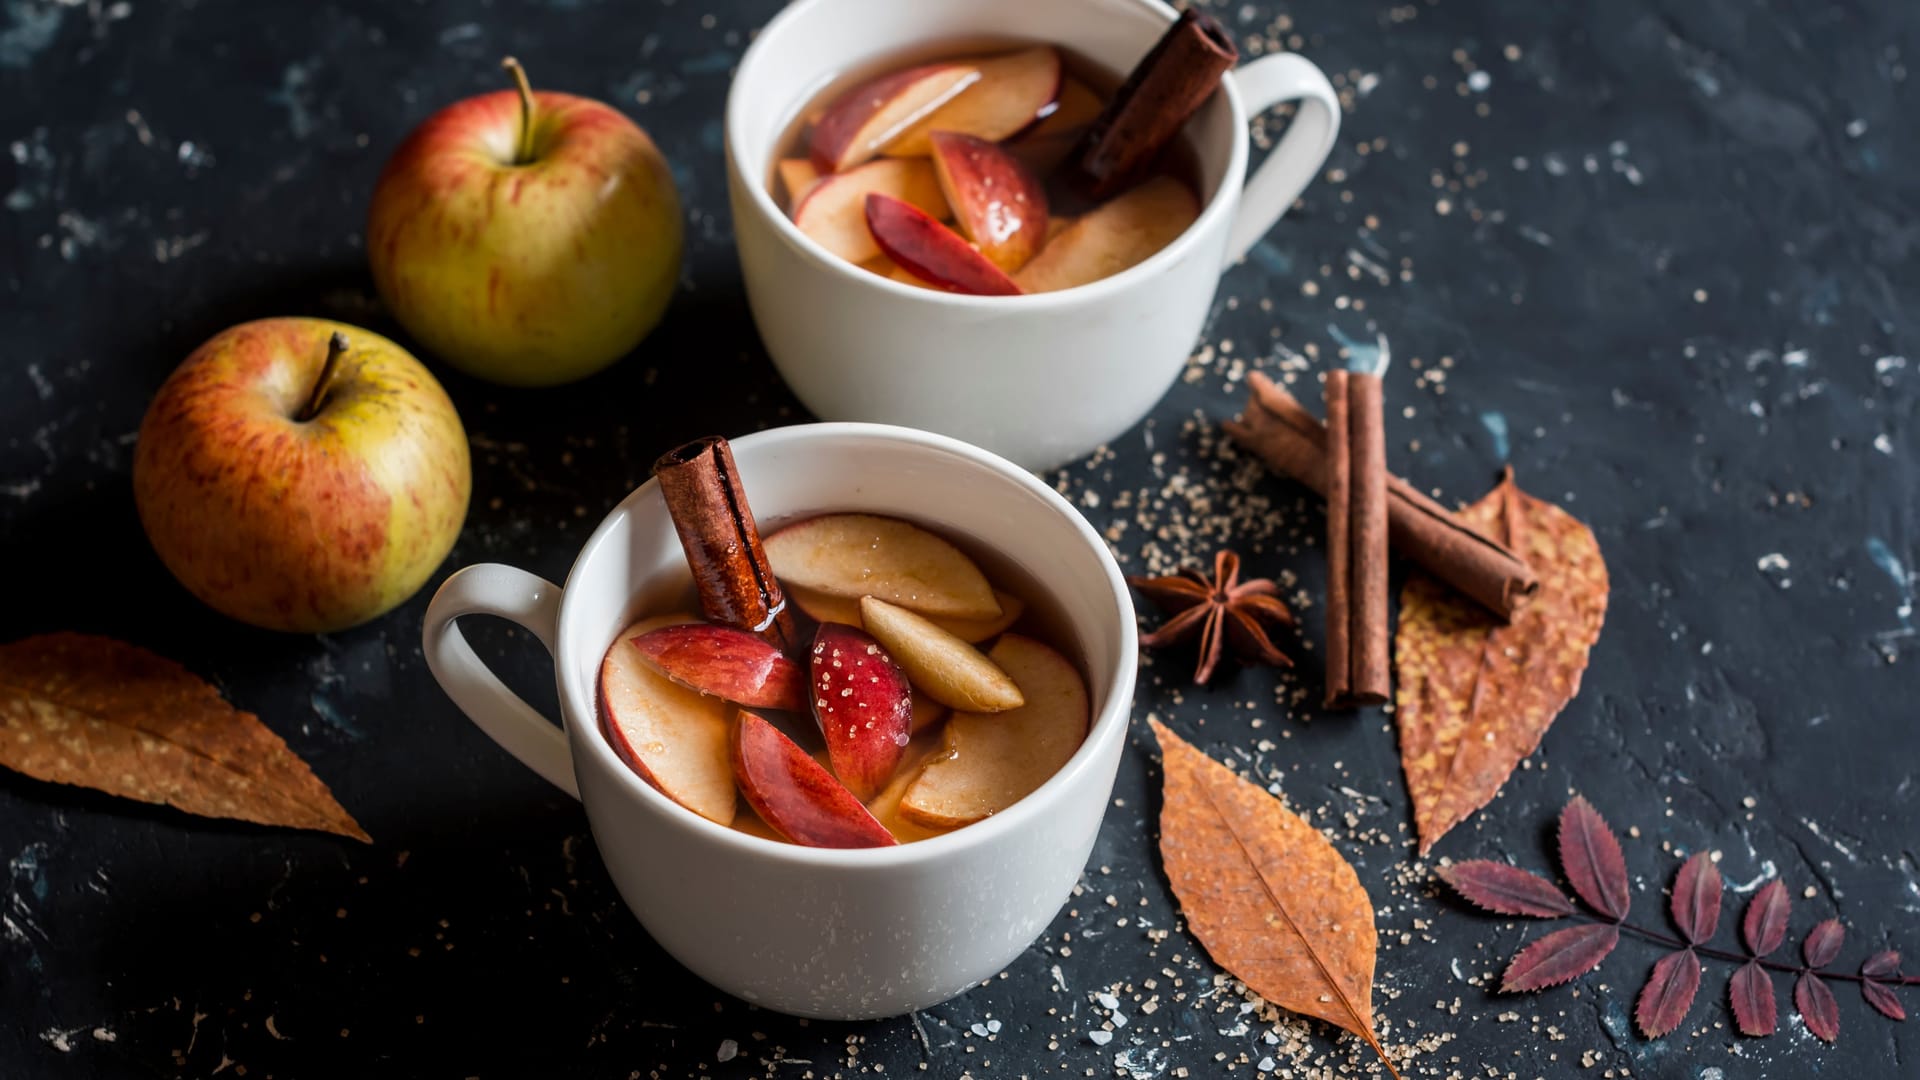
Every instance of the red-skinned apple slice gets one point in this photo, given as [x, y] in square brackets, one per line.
[940, 665]
[991, 761]
[932, 252]
[834, 211]
[795, 796]
[1113, 236]
[1013, 90]
[879, 111]
[675, 738]
[797, 175]
[864, 706]
[997, 202]
[729, 664]
[856, 555]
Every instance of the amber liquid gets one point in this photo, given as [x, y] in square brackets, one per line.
[1042, 151]
[1041, 619]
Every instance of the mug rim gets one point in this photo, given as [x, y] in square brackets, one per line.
[1111, 722]
[1211, 214]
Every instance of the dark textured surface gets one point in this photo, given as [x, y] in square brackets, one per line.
[1667, 251]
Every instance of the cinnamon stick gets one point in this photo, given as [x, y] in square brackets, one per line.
[1168, 85]
[722, 543]
[1357, 671]
[1283, 434]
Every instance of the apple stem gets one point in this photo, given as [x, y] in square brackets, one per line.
[523, 150]
[336, 348]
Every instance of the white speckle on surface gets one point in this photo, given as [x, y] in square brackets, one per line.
[1100, 1038]
[1775, 566]
[1883, 444]
[1794, 358]
[729, 1049]
[1107, 1001]
[1856, 128]
[1478, 81]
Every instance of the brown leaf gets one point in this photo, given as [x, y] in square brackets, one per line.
[1273, 902]
[1506, 890]
[1816, 1005]
[1475, 697]
[1669, 992]
[1754, 1011]
[99, 713]
[1590, 855]
[1696, 899]
[1560, 956]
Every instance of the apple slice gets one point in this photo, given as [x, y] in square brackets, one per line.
[932, 252]
[675, 738]
[825, 608]
[940, 665]
[880, 110]
[795, 796]
[834, 212]
[729, 664]
[927, 712]
[992, 761]
[864, 706]
[1071, 112]
[797, 175]
[998, 203]
[1013, 90]
[856, 555]
[1118, 234]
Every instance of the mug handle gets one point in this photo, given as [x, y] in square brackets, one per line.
[530, 601]
[1293, 163]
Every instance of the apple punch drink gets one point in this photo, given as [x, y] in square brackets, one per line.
[854, 680]
[976, 170]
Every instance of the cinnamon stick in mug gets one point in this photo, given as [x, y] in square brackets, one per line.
[1166, 87]
[1357, 665]
[722, 543]
[1282, 433]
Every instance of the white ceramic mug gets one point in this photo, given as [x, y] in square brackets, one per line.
[1039, 379]
[823, 933]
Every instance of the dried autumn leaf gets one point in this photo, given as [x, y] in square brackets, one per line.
[1817, 1007]
[1754, 1011]
[1475, 697]
[1506, 890]
[1560, 956]
[1273, 902]
[1669, 992]
[1823, 943]
[1590, 855]
[1696, 899]
[99, 713]
[1765, 924]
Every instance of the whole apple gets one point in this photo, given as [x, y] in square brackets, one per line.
[301, 475]
[526, 238]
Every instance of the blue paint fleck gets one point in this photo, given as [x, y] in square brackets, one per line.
[1890, 564]
[712, 134]
[331, 714]
[31, 26]
[1272, 259]
[1366, 357]
[717, 62]
[1496, 425]
[292, 96]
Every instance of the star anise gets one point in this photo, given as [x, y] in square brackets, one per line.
[1222, 610]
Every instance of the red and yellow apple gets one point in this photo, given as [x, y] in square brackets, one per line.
[526, 238]
[301, 475]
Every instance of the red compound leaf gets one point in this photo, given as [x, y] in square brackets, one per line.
[1696, 899]
[1668, 994]
[1817, 1007]
[1506, 890]
[1590, 855]
[1765, 925]
[1754, 1011]
[1823, 943]
[1560, 956]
